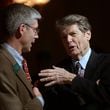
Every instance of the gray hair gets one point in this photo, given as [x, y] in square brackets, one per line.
[16, 14]
[79, 20]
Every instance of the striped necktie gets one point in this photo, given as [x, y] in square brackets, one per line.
[78, 69]
[26, 70]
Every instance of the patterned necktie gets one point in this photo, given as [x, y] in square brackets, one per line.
[26, 70]
[78, 69]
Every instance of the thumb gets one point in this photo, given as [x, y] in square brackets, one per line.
[55, 67]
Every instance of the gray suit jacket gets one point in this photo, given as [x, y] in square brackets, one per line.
[15, 90]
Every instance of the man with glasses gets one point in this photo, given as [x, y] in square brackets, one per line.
[36, 30]
[19, 30]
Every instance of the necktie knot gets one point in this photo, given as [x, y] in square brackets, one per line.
[78, 69]
[77, 66]
[25, 68]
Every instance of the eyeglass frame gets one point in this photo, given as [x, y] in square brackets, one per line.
[36, 30]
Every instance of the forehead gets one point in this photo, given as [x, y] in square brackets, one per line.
[70, 28]
[34, 23]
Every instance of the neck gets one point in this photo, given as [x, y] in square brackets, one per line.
[15, 44]
[79, 56]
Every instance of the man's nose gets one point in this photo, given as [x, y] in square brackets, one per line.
[36, 36]
[69, 38]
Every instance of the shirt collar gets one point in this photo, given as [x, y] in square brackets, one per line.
[14, 53]
[83, 61]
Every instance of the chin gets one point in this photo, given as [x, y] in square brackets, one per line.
[27, 50]
[73, 54]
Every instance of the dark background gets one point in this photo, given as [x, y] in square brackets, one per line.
[48, 48]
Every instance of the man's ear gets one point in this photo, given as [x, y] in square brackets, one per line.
[22, 28]
[88, 35]
[20, 31]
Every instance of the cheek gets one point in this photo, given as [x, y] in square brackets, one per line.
[80, 44]
[29, 37]
[84, 44]
[27, 40]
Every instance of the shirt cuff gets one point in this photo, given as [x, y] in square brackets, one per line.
[41, 100]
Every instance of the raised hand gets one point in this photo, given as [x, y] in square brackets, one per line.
[56, 75]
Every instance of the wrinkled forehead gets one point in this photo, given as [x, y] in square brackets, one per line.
[69, 28]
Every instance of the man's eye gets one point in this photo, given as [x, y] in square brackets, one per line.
[72, 34]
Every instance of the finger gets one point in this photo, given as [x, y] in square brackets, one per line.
[47, 70]
[36, 91]
[47, 79]
[50, 83]
[55, 67]
[45, 74]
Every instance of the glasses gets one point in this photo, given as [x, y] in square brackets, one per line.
[36, 30]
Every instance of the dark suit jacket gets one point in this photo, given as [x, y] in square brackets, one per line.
[15, 91]
[93, 89]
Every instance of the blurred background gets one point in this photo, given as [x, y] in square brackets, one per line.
[48, 48]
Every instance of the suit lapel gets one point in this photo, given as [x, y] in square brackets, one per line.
[22, 77]
[17, 69]
[91, 65]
